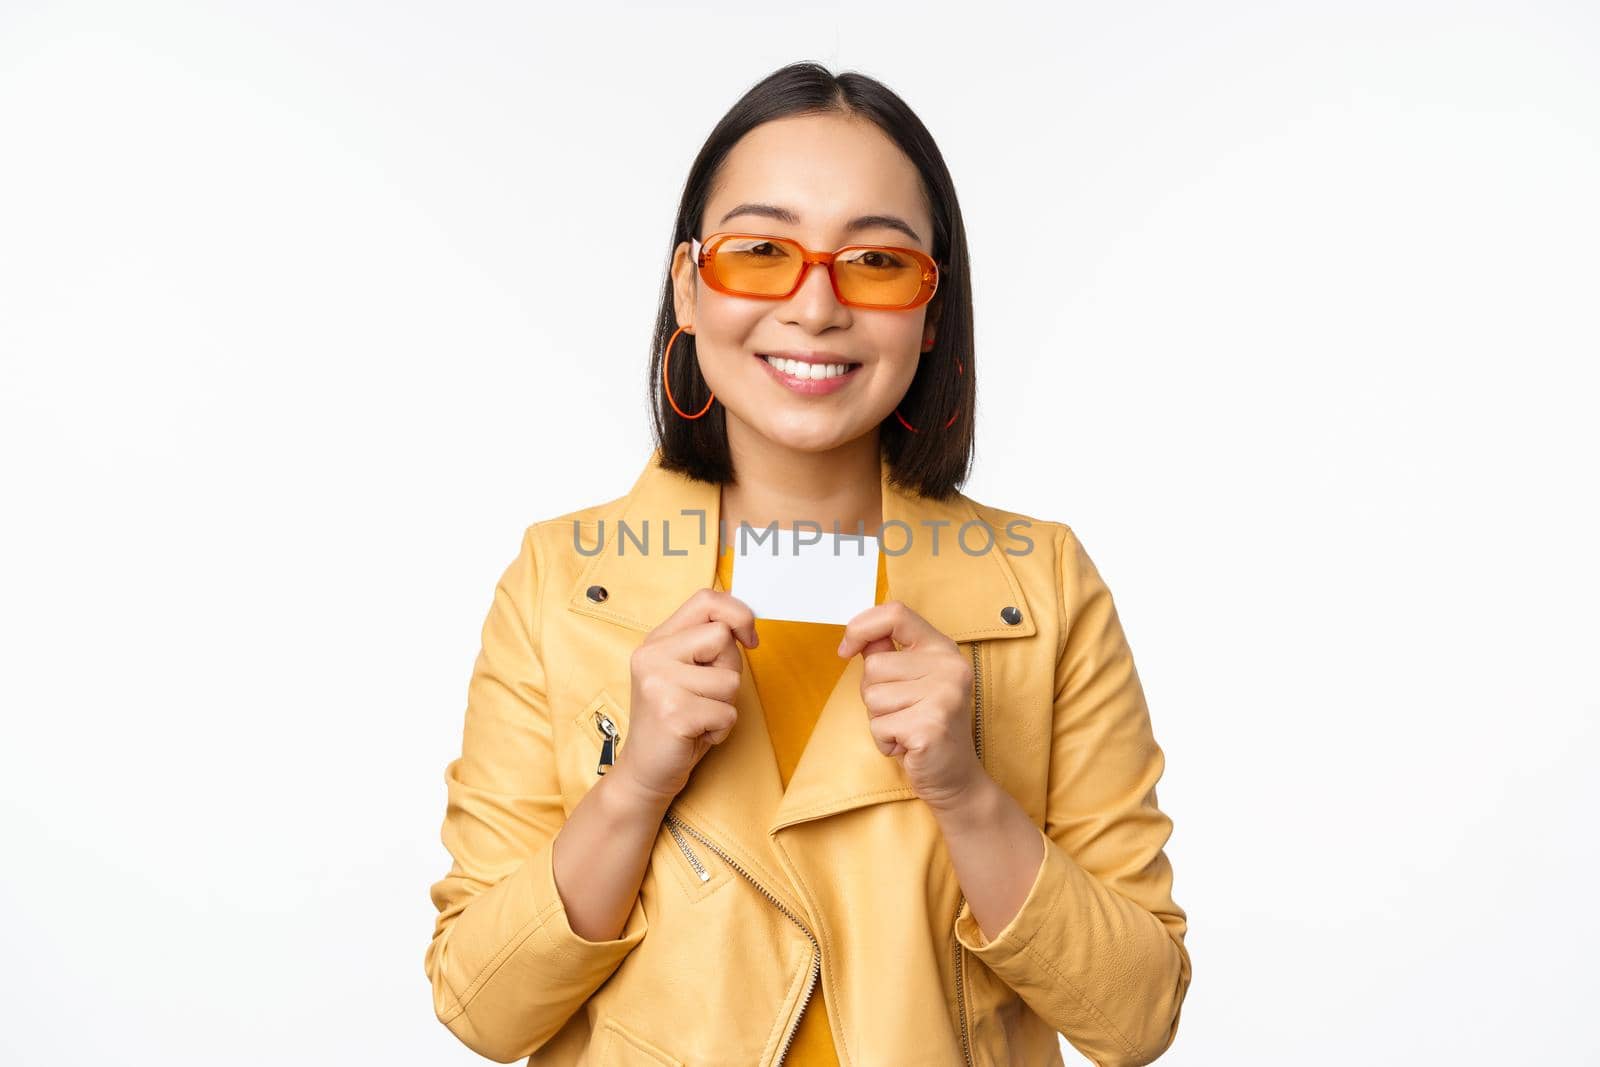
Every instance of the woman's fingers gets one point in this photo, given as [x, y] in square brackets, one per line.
[693, 716]
[711, 680]
[902, 665]
[891, 621]
[704, 643]
[707, 605]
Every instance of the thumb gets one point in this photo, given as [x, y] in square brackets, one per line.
[880, 644]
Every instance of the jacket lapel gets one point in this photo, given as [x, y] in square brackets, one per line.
[659, 546]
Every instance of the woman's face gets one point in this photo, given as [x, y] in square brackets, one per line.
[808, 177]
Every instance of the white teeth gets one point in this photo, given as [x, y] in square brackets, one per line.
[798, 369]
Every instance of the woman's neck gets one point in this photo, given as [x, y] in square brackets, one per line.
[784, 486]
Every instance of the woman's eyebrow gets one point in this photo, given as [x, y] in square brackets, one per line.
[784, 215]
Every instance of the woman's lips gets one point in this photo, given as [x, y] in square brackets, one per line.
[809, 386]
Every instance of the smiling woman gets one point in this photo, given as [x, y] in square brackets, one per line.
[669, 850]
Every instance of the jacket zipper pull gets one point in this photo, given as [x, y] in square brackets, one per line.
[608, 748]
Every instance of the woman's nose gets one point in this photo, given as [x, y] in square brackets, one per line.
[814, 303]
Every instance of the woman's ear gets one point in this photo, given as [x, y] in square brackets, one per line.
[930, 323]
[684, 277]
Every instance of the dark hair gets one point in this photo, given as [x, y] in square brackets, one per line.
[935, 460]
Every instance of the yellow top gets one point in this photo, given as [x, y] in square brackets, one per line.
[794, 667]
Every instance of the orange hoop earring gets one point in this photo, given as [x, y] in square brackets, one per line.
[953, 414]
[666, 360]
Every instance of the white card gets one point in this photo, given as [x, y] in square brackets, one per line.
[831, 580]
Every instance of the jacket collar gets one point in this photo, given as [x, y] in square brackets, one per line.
[660, 544]
[735, 794]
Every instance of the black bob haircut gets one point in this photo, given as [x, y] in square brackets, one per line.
[935, 459]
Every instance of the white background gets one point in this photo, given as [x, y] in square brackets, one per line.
[289, 359]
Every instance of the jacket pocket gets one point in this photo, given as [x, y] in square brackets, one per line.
[619, 1046]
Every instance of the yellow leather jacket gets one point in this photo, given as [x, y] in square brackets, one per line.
[756, 895]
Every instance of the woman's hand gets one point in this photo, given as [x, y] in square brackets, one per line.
[919, 700]
[685, 681]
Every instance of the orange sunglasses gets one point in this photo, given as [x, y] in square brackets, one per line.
[883, 277]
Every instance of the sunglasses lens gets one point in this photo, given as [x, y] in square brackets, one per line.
[756, 266]
[766, 266]
[878, 276]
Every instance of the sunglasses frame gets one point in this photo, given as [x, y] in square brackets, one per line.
[702, 253]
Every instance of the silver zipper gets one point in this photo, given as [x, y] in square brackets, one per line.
[694, 861]
[961, 993]
[677, 823]
[977, 701]
[955, 944]
[611, 738]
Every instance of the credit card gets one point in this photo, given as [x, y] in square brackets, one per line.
[805, 575]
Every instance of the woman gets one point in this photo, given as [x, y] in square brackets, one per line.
[683, 835]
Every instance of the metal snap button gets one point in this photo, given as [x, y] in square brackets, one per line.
[1011, 615]
[596, 593]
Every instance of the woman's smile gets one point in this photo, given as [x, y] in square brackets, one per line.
[812, 376]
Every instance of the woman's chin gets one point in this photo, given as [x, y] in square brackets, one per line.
[807, 432]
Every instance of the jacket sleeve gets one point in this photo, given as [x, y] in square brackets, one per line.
[1096, 949]
[507, 969]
